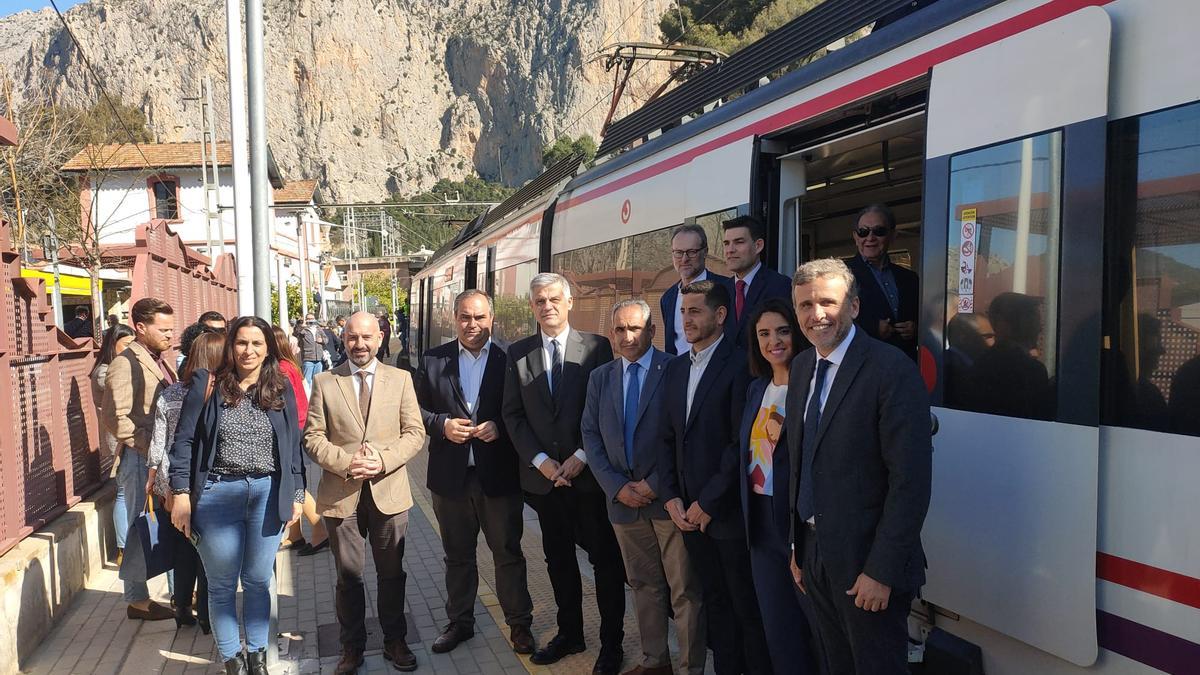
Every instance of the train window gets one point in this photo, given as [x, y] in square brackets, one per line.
[1002, 278]
[514, 319]
[711, 223]
[1151, 365]
[600, 275]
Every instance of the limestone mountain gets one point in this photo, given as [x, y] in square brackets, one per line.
[367, 96]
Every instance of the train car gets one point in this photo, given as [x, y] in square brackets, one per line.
[1043, 161]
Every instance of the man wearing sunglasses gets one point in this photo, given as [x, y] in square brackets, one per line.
[889, 295]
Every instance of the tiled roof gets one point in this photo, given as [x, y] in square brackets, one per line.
[296, 192]
[144, 156]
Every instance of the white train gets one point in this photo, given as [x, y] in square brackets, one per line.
[1047, 148]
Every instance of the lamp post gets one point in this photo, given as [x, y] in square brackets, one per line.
[50, 248]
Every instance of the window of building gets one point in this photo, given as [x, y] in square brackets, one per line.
[166, 198]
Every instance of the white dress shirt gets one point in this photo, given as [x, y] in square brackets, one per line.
[682, 346]
[699, 365]
[749, 278]
[470, 376]
[835, 359]
[369, 369]
[548, 361]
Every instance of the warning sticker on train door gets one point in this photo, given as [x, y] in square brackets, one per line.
[968, 236]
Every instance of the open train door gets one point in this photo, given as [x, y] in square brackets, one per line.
[1013, 242]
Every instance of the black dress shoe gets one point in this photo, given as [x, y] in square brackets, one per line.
[309, 549]
[256, 662]
[556, 649]
[522, 639]
[184, 617]
[609, 661]
[451, 637]
[236, 666]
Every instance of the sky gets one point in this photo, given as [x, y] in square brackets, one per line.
[12, 6]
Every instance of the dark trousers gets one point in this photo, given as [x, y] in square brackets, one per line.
[569, 517]
[735, 625]
[346, 539]
[460, 518]
[855, 641]
[189, 575]
[789, 636]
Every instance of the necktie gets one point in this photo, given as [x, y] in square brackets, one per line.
[808, 446]
[633, 393]
[556, 365]
[739, 302]
[364, 395]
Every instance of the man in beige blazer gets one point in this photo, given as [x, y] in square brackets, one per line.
[134, 379]
[364, 425]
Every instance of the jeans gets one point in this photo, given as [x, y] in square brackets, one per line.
[311, 368]
[131, 477]
[120, 516]
[237, 520]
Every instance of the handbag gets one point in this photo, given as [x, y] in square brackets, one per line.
[150, 544]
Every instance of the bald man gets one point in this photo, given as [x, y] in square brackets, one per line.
[364, 425]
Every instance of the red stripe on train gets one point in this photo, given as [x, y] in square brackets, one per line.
[1147, 579]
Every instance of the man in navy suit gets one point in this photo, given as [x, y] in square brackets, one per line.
[689, 252]
[752, 282]
[474, 472]
[860, 449]
[698, 470]
[889, 295]
[622, 434]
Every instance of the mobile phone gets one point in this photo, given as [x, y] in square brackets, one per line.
[194, 537]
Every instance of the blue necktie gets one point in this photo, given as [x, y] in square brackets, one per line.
[632, 393]
[808, 446]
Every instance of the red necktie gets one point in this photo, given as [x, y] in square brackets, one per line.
[739, 302]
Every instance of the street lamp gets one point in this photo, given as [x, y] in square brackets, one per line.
[50, 248]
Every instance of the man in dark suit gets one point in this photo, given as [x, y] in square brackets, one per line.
[698, 467]
[889, 295]
[752, 282]
[689, 252]
[545, 388]
[622, 434]
[860, 447]
[473, 472]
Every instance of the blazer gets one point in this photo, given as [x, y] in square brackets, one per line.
[440, 394]
[873, 306]
[603, 429]
[780, 464]
[336, 430]
[667, 304]
[699, 459]
[538, 422]
[195, 445]
[767, 283]
[131, 386]
[871, 464]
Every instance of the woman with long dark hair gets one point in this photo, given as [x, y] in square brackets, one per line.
[773, 342]
[237, 456]
[116, 339]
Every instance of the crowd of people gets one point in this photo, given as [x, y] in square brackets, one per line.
[762, 482]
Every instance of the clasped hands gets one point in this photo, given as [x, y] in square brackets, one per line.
[366, 463]
[562, 474]
[689, 520]
[636, 494]
[460, 430]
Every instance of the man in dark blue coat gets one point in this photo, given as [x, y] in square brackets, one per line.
[888, 294]
[752, 282]
[689, 255]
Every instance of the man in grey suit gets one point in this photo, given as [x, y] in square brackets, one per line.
[860, 447]
[622, 432]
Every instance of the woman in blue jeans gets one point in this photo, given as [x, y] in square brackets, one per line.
[237, 454]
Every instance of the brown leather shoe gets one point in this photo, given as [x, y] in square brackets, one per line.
[400, 655]
[522, 639]
[352, 658]
[153, 612]
[656, 670]
[450, 638]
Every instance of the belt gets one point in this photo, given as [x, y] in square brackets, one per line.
[225, 477]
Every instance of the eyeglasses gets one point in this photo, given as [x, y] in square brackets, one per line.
[689, 253]
[878, 231]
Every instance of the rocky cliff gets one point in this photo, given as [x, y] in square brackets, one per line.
[366, 96]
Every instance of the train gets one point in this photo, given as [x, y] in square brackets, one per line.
[1042, 149]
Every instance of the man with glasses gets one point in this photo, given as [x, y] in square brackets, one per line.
[889, 295]
[689, 249]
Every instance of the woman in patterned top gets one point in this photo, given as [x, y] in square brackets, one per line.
[205, 354]
[237, 454]
[774, 340]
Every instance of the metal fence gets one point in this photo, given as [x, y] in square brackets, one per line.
[49, 434]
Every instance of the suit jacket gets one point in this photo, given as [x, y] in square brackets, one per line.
[131, 386]
[873, 306]
[538, 422]
[336, 430]
[440, 393]
[767, 283]
[603, 429]
[780, 462]
[195, 444]
[667, 304]
[871, 464]
[699, 459]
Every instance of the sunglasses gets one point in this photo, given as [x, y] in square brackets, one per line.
[878, 231]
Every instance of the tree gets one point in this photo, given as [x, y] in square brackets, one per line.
[430, 227]
[728, 26]
[295, 302]
[565, 146]
[377, 287]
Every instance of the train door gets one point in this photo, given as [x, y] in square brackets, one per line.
[1010, 333]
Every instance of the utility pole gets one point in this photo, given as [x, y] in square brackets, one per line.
[216, 171]
[208, 209]
[241, 167]
[259, 199]
[50, 252]
[302, 227]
